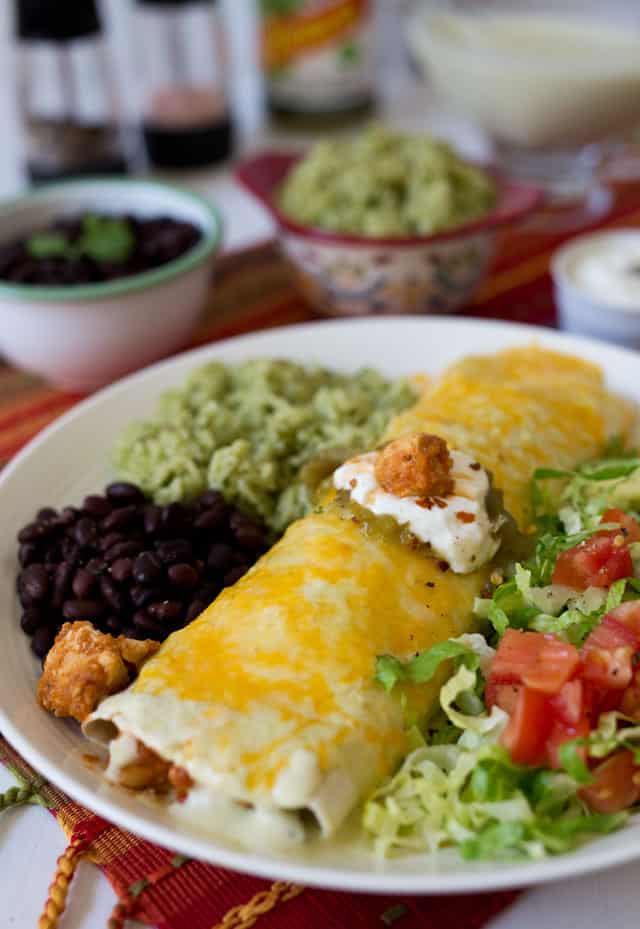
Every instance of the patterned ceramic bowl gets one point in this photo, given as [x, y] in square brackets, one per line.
[350, 275]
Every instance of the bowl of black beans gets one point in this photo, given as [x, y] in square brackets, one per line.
[129, 566]
[100, 277]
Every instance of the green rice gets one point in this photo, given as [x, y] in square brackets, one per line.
[256, 431]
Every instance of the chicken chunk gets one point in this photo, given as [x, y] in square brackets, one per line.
[84, 666]
[415, 465]
[144, 769]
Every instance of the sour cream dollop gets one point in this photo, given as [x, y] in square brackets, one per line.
[607, 268]
[457, 527]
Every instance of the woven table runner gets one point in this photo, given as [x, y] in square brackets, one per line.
[253, 290]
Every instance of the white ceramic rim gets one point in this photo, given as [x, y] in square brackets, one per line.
[130, 814]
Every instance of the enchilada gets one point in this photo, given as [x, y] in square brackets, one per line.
[268, 700]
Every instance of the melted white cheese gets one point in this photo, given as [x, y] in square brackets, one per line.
[457, 527]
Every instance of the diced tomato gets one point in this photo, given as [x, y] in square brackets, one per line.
[561, 733]
[528, 728]
[627, 616]
[556, 663]
[542, 662]
[610, 634]
[608, 668]
[502, 695]
[597, 562]
[630, 702]
[568, 706]
[628, 524]
[516, 652]
[615, 784]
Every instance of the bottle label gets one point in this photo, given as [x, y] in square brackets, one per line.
[318, 54]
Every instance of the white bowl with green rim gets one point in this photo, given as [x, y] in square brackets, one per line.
[82, 336]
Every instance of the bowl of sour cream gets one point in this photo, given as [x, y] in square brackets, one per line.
[597, 285]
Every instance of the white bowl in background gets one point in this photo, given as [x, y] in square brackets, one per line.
[83, 336]
[599, 300]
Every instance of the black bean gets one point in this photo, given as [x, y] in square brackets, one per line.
[96, 506]
[120, 518]
[122, 550]
[31, 619]
[250, 538]
[61, 583]
[111, 593]
[28, 553]
[167, 611]
[213, 518]
[111, 538]
[147, 568]
[234, 575]
[42, 641]
[83, 583]
[46, 514]
[144, 623]
[183, 575]
[53, 555]
[130, 632]
[207, 592]
[196, 607]
[96, 565]
[173, 550]
[173, 518]
[85, 532]
[32, 532]
[70, 550]
[114, 624]
[34, 582]
[220, 557]
[78, 610]
[210, 498]
[69, 515]
[121, 569]
[151, 519]
[142, 596]
[121, 493]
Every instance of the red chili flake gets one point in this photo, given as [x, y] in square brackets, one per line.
[465, 517]
[353, 483]
[426, 503]
[475, 466]
[439, 502]
[443, 565]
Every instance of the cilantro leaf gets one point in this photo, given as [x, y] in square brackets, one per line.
[420, 669]
[47, 245]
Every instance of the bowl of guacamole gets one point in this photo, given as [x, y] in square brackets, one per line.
[385, 222]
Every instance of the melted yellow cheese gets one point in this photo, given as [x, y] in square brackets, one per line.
[519, 410]
[280, 668]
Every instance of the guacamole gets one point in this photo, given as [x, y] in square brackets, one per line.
[385, 184]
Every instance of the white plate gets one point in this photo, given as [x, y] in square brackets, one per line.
[71, 459]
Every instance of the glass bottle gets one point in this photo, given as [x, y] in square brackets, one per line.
[186, 116]
[66, 95]
[318, 59]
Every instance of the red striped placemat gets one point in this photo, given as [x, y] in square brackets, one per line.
[253, 291]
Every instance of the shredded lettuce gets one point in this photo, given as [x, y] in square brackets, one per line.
[471, 794]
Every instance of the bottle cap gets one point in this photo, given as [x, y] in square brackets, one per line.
[55, 21]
